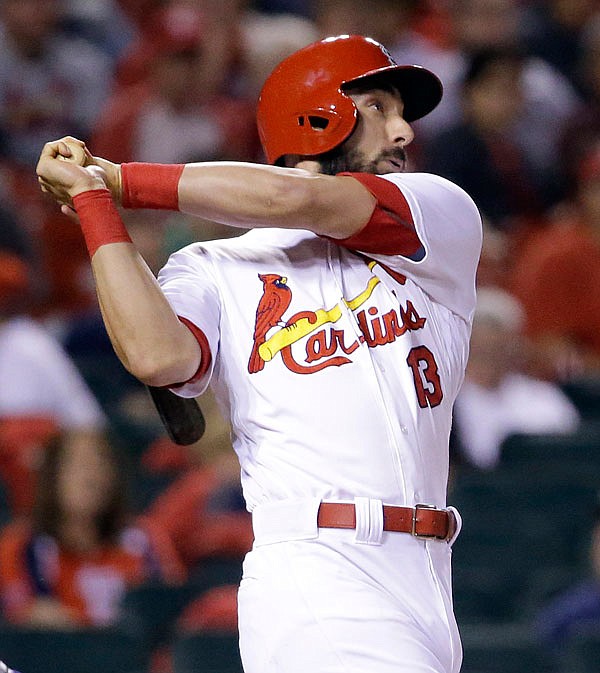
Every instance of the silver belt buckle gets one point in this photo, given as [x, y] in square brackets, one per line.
[413, 531]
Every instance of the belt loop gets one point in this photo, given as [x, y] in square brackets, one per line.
[369, 520]
[458, 520]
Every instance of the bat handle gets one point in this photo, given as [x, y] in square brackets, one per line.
[181, 417]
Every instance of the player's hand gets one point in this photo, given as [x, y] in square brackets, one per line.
[112, 174]
[62, 175]
[75, 151]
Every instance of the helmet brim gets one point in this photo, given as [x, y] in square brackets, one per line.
[420, 89]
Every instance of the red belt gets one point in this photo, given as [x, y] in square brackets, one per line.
[423, 521]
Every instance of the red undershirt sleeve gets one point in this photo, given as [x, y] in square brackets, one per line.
[391, 229]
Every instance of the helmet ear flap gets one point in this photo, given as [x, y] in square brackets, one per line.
[310, 131]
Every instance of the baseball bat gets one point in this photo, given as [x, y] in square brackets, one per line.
[181, 417]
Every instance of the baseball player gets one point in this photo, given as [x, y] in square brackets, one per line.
[335, 336]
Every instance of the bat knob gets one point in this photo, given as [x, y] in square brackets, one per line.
[5, 669]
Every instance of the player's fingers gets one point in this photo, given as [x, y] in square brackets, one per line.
[70, 212]
[89, 157]
[52, 149]
[65, 147]
[79, 151]
[57, 193]
[46, 186]
[73, 150]
[71, 140]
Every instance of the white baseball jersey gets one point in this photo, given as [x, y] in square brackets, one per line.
[339, 370]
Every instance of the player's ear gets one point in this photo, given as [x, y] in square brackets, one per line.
[289, 160]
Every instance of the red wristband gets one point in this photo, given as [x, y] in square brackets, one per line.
[151, 185]
[99, 219]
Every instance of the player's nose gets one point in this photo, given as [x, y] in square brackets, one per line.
[400, 131]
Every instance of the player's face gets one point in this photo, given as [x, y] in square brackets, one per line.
[378, 142]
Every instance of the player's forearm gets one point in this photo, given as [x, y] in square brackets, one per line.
[145, 332]
[247, 195]
[255, 195]
[252, 195]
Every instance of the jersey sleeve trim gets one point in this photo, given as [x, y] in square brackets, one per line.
[205, 357]
[391, 229]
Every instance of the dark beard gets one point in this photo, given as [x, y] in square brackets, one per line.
[339, 160]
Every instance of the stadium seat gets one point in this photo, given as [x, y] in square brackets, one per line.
[583, 652]
[485, 593]
[543, 514]
[85, 651]
[576, 452]
[206, 653]
[503, 649]
[150, 610]
[543, 585]
[585, 394]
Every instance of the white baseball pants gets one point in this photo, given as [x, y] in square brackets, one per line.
[344, 601]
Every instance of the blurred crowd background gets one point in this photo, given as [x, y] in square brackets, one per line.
[120, 551]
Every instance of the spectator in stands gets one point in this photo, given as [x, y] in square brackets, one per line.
[201, 515]
[339, 17]
[480, 153]
[555, 31]
[583, 130]
[498, 398]
[197, 532]
[102, 22]
[38, 378]
[549, 99]
[42, 391]
[298, 7]
[70, 564]
[266, 40]
[557, 276]
[50, 83]
[179, 108]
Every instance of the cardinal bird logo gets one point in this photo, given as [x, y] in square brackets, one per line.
[273, 304]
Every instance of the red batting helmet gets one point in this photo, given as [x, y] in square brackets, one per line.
[302, 108]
